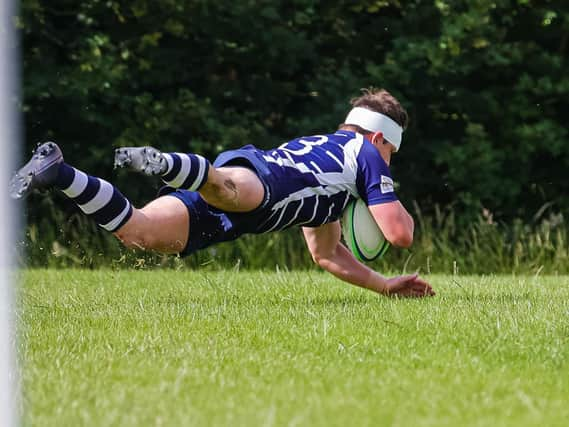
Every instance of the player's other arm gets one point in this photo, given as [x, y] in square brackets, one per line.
[329, 253]
[395, 223]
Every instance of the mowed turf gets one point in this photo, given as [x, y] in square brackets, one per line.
[166, 348]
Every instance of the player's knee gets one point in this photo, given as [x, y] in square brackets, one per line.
[128, 239]
[136, 239]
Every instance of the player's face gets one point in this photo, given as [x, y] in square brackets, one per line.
[383, 146]
[386, 149]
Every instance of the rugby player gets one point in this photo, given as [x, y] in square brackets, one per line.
[305, 182]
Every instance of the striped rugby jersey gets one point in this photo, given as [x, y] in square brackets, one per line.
[313, 178]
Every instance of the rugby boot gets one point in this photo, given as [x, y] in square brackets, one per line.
[40, 172]
[147, 160]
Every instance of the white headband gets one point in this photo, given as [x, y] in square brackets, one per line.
[376, 122]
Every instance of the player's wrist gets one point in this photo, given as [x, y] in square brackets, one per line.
[377, 282]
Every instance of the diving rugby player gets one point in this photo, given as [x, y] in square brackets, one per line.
[305, 182]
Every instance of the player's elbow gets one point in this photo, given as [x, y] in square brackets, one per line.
[400, 234]
[404, 241]
[321, 259]
[318, 260]
[395, 223]
[401, 239]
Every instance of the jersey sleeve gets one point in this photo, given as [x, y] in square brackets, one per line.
[373, 178]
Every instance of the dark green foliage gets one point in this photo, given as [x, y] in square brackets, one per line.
[486, 84]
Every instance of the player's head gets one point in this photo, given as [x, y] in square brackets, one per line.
[378, 115]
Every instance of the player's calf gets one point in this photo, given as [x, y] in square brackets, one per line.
[162, 225]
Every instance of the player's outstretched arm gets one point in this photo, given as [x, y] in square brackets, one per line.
[329, 253]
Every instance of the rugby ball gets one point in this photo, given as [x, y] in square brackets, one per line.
[361, 233]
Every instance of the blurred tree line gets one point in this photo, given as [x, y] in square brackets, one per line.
[486, 83]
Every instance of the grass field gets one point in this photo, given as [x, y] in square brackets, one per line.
[145, 348]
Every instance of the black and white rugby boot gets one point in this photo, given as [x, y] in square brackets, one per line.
[40, 172]
[147, 160]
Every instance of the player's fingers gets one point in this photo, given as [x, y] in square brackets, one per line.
[421, 281]
[423, 285]
[424, 293]
[423, 290]
[410, 286]
[399, 283]
[416, 294]
[404, 281]
[413, 292]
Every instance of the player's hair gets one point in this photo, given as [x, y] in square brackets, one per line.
[380, 101]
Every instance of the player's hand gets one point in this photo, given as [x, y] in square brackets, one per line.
[409, 285]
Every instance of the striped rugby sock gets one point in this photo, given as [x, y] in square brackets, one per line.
[95, 197]
[185, 171]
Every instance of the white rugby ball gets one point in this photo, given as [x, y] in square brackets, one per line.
[361, 233]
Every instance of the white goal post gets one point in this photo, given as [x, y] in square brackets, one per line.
[9, 146]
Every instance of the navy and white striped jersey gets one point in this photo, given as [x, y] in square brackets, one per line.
[312, 179]
[308, 181]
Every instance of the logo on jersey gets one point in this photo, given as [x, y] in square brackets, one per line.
[386, 184]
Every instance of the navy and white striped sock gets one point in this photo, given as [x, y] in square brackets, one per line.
[185, 171]
[96, 197]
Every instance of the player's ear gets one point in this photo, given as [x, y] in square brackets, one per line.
[377, 138]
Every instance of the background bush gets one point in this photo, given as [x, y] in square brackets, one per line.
[486, 84]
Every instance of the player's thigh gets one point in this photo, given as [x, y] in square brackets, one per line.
[162, 225]
[233, 189]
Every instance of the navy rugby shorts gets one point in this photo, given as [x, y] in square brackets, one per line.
[209, 225]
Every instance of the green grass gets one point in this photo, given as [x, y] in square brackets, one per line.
[135, 348]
